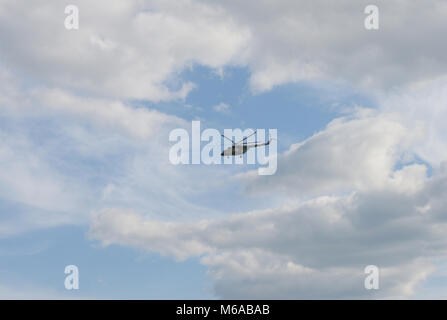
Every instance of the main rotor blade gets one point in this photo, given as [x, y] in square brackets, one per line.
[228, 139]
[247, 137]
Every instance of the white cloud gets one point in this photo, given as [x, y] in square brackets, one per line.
[27, 177]
[302, 40]
[132, 50]
[423, 105]
[28, 293]
[158, 235]
[138, 49]
[357, 152]
[222, 107]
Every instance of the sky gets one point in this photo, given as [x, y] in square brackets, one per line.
[86, 179]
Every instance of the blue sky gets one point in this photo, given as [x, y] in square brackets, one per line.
[85, 118]
[37, 261]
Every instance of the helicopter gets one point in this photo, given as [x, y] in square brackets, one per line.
[241, 147]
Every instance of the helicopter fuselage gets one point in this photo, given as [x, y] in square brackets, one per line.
[240, 149]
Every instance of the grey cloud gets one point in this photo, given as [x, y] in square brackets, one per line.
[315, 249]
[308, 39]
[137, 49]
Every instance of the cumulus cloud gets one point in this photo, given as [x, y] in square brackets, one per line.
[308, 39]
[357, 152]
[138, 49]
[423, 105]
[123, 50]
[315, 248]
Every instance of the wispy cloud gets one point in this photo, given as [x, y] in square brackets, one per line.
[222, 107]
